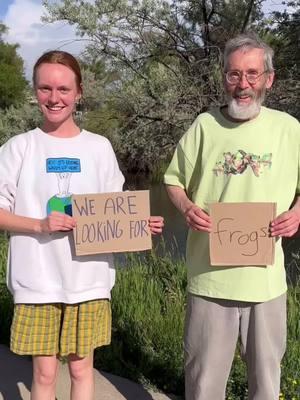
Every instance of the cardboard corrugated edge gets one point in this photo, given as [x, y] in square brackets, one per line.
[274, 238]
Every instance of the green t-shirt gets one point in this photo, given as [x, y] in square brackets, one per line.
[209, 163]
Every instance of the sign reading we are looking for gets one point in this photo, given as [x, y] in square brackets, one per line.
[111, 222]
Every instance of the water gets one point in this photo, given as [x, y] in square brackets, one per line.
[173, 238]
[175, 230]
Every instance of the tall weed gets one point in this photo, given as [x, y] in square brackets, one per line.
[148, 304]
[148, 311]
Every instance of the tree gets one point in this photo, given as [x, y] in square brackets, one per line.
[168, 56]
[12, 81]
[282, 31]
[14, 120]
[98, 81]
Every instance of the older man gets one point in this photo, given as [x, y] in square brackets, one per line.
[250, 301]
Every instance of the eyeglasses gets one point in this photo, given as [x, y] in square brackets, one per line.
[234, 77]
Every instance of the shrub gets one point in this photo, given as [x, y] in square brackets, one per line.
[148, 304]
[6, 312]
[148, 311]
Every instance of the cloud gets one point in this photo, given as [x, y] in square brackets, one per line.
[270, 6]
[23, 19]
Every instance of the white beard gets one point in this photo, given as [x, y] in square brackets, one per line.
[245, 112]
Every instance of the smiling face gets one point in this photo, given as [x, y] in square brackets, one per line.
[57, 92]
[244, 98]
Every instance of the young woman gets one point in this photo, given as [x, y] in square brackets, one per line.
[61, 301]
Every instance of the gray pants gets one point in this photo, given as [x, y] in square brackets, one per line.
[212, 328]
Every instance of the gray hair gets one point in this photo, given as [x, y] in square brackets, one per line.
[246, 42]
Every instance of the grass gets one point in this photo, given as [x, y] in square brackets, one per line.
[148, 315]
[148, 310]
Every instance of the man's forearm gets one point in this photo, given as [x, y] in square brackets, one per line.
[179, 198]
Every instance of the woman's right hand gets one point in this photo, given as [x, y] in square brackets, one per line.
[57, 221]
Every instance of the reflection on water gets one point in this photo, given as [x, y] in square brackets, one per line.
[174, 234]
[175, 230]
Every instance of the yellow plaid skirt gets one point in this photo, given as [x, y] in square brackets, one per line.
[50, 329]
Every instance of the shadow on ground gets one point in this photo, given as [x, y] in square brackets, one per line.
[15, 375]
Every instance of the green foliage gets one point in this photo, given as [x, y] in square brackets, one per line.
[16, 113]
[290, 368]
[237, 383]
[282, 31]
[166, 76]
[148, 307]
[158, 171]
[3, 257]
[6, 302]
[285, 28]
[18, 119]
[6, 313]
[166, 63]
[12, 81]
[148, 304]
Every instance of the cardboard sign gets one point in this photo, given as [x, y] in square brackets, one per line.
[111, 222]
[240, 234]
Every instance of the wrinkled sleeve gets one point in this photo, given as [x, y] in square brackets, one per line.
[115, 179]
[11, 158]
[182, 166]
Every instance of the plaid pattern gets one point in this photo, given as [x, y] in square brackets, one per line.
[49, 329]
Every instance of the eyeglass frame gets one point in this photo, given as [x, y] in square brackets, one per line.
[241, 74]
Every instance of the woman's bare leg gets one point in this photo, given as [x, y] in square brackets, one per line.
[45, 370]
[82, 377]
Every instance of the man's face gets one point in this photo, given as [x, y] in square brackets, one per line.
[244, 98]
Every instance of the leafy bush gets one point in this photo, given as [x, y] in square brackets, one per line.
[148, 311]
[6, 302]
[19, 119]
[6, 312]
[3, 256]
[148, 304]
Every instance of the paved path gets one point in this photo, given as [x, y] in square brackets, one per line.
[15, 381]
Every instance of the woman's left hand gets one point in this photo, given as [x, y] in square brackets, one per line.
[156, 224]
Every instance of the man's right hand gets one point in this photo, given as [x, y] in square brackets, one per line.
[197, 219]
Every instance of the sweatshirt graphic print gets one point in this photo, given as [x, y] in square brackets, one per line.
[63, 168]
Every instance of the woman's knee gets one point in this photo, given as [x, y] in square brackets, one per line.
[80, 368]
[45, 371]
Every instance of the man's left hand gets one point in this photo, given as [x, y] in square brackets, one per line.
[286, 224]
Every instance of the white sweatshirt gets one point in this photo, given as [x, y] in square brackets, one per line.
[38, 174]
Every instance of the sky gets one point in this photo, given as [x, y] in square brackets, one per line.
[23, 18]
